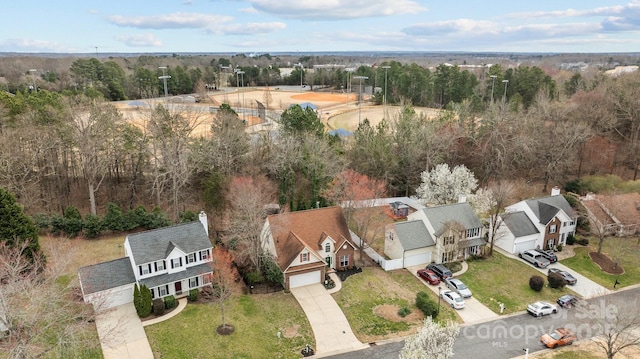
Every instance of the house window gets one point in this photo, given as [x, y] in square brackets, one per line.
[145, 269]
[327, 247]
[473, 232]
[204, 254]
[193, 282]
[572, 223]
[153, 293]
[304, 257]
[448, 240]
[191, 258]
[552, 228]
[564, 224]
[160, 265]
[162, 291]
[344, 260]
[206, 279]
[176, 262]
[562, 239]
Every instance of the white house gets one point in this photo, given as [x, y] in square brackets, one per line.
[169, 261]
[435, 234]
[536, 223]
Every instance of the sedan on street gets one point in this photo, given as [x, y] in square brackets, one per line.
[453, 299]
[539, 309]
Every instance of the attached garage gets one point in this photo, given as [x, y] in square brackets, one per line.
[524, 246]
[303, 279]
[413, 259]
[107, 285]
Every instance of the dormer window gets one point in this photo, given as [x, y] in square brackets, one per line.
[304, 257]
[327, 247]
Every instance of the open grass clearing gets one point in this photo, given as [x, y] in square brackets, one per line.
[623, 250]
[82, 252]
[257, 320]
[363, 292]
[500, 279]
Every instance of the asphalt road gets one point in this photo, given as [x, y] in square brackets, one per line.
[508, 336]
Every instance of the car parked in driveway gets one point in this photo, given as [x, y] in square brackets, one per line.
[457, 286]
[534, 257]
[559, 337]
[429, 276]
[440, 270]
[567, 301]
[571, 280]
[539, 309]
[549, 255]
[453, 299]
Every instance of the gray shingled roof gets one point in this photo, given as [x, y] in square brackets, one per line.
[459, 212]
[153, 245]
[106, 275]
[413, 235]
[174, 277]
[519, 224]
[472, 243]
[547, 207]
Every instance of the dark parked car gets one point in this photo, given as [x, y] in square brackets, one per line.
[429, 276]
[549, 255]
[567, 301]
[571, 280]
[440, 270]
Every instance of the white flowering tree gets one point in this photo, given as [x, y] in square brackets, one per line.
[433, 341]
[443, 185]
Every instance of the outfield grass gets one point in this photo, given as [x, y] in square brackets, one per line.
[625, 250]
[257, 320]
[362, 292]
[500, 279]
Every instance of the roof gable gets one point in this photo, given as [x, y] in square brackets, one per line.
[461, 213]
[546, 208]
[413, 235]
[156, 244]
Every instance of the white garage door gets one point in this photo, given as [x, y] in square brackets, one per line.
[417, 259]
[523, 246]
[116, 296]
[300, 280]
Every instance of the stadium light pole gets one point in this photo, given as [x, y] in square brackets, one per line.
[360, 96]
[504, 96]
[385, 84]
[241, 73]
[301, 72]
[164, 79]
[33, 78]
[493, 83]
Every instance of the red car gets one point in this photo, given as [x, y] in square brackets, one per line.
[429, 276]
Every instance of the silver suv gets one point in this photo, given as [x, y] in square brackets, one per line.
[534, 257]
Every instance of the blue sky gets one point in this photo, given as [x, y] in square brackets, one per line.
[247, 26]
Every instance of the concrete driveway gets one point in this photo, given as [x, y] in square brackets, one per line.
[121, 334]
[473, 311]
[330, 327]
[584, 286]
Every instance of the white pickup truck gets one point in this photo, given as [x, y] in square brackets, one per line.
[534, 257]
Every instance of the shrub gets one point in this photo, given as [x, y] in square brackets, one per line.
[42, 220]
[556, 281]
[571, 239]
[426, 305]
[253, 277]
[188, 216]
[454, 266]
[170, 302]
[92, 226]
[158, 306]
[136, 298]
[559, 247]
[113, 220]
[72, 221]
[536, 282]
[146, 303]
[404, 311]
[583, 241]
[193, 295]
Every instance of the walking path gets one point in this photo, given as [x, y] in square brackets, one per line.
[331, 329]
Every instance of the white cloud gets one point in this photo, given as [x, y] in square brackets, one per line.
[139, 40]
[253, 28]
[29, 45]
[180, 20]
[336, 9]
[248, 10]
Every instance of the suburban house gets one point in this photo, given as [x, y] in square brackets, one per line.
[308, 244]
[542, 223]
[435, 234]
[169, 261]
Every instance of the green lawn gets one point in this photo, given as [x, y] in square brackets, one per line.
[257, 320]
[362, 292]
[500, 279]
[626, 250]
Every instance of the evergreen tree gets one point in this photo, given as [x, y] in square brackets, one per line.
[137, 299]
[15, 227]
[146, 302]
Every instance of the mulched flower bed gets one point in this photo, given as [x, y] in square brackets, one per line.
[605, 263]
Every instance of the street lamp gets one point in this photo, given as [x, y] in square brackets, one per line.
[493, 83]
[33, 78]
[360, 96]
[349, 71]
[164, 79]
[241, 73]
[384, 100]
[301, 72]
[506, 83]
[439, 289]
